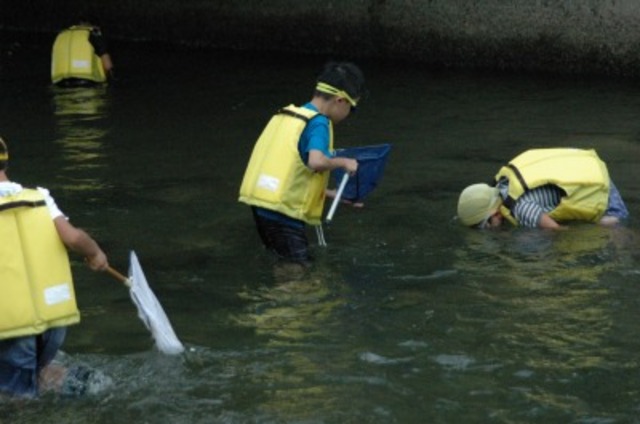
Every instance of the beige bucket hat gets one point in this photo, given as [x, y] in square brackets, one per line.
[478, 202]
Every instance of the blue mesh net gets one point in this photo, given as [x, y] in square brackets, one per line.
[371, 163]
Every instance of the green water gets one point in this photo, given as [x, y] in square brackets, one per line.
[405, 318]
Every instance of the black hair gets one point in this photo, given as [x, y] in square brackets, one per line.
[343, 76]
[3, 150]
[92, 20]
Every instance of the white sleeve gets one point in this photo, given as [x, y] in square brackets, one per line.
[54, 211]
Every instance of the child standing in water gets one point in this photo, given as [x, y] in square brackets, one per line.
[286, 179]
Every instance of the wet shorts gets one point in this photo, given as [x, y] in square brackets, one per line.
[616, 206]
[22, 358]
[287, 242]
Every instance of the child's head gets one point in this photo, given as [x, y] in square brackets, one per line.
[88, 20]
[343, 80]
[4, 155]
[477, 204]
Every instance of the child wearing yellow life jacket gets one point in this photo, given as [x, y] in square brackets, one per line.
[37, 300]
[287, 174]
[79, 56]
[543, 188]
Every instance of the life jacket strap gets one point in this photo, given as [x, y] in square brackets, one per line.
[509, 202]
[294, 114]
[22, 204]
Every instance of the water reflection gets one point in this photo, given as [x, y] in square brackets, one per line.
[520, 256]
[546, 306]
[81, 118]
[301, 309]
[89, 103]
[416, 321]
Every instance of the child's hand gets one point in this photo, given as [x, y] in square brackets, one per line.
[351, 166]
[331, 193]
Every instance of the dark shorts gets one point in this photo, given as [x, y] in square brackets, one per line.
[287, 242]
[22, 358]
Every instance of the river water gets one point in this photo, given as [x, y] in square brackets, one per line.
[405, 317]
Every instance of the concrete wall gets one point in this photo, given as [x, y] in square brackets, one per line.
[566, 36]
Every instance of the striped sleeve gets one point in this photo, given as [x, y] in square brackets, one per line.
[529, 208]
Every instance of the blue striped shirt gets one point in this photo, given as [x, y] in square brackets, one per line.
[531, 205]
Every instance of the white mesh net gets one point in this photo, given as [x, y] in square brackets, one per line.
[150, 311]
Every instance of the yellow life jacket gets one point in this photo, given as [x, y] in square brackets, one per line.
[73, 57]
[35, 277]
[276, 178]
[581, 174]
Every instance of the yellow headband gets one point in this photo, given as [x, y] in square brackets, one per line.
[4, 156]
[329, 89]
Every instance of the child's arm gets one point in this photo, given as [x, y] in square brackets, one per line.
[319, 163]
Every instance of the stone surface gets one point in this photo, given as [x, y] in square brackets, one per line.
[559, 36]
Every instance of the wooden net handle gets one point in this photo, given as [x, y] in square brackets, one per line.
[119, 276]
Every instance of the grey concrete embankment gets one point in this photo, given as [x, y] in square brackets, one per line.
[562, 36]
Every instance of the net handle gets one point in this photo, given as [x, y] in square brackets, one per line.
[336, 199]
[119, 276]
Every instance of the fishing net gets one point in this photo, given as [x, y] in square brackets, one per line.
[371, 164]
[150, 311]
